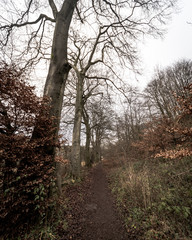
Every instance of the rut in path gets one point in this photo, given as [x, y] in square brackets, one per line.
[101, 220]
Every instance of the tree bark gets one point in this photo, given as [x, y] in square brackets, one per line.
[59, 66]
[98, 146]
[88, 161]
[76, 147]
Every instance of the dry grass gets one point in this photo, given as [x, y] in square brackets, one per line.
[156, 198]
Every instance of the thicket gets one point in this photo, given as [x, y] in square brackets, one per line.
[26, 168]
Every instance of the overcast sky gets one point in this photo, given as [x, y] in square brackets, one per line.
[176, 45]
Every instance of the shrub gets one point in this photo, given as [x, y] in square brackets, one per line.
[26, 168]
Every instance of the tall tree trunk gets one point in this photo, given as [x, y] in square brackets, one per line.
[88, 161]
[96, 143]
[98, 146]
[93, 143]
[59, 66]
[76, 148]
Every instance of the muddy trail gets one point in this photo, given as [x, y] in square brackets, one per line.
[92, 214]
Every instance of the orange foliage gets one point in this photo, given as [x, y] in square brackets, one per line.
[169, 138]
[26, 169]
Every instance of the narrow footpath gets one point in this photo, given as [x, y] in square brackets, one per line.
[93, 214]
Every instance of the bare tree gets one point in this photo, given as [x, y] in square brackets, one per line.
[167, 83]
[101, 124]
[89, 57]
[120, 20]
[130, 122]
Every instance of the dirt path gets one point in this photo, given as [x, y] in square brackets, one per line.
[95, 216]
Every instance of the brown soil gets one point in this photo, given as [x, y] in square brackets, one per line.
[92, 214]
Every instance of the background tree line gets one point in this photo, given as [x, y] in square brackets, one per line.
[155, 117]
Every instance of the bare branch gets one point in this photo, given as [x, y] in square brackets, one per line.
[27, 23]
[79, 14]
[10, 27]
[54, 8]
[25, 13]
[93, 51]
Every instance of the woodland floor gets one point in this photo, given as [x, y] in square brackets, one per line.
[91, 213]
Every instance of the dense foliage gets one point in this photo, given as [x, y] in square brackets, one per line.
[26, 168]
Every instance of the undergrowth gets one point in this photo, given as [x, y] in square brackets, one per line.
[56, 224]
[49, 227]
[155, 198]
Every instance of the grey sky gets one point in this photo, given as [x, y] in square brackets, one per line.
[176, 45]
